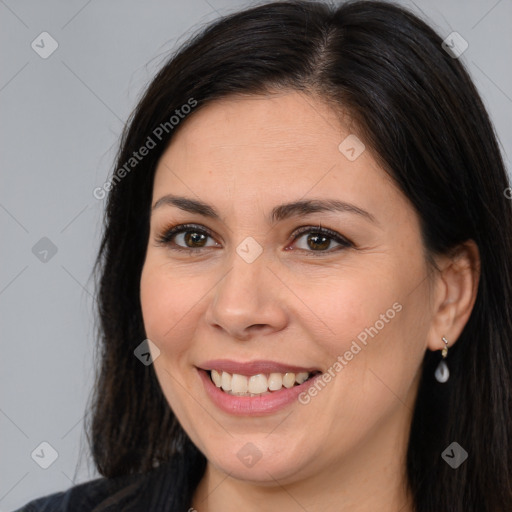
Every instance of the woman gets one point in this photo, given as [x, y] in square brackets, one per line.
[305, 277]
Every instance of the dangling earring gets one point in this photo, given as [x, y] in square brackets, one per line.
[442, 373]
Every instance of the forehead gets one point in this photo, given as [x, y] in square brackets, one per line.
[285, 123]
[268, 149]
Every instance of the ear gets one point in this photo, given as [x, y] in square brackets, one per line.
[454, 294]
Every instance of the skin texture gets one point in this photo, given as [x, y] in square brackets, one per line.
[345, 450]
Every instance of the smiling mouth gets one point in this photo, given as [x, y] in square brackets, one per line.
[260, 384]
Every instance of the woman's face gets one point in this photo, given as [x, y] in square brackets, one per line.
[243, 293]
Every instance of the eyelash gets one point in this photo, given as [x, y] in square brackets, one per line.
[171, 231]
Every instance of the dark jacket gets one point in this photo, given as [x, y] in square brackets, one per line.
[147, 492]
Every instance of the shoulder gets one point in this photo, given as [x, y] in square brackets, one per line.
[108, 494]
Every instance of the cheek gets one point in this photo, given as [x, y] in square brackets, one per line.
[371, 330]
[358, 308]
[166, 303]
[167, 310]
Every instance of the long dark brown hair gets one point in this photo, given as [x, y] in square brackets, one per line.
[416, 107]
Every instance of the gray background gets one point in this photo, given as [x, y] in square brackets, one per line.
[61, 118]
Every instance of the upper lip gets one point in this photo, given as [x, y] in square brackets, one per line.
[253, 367]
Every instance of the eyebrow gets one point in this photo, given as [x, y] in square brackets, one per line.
[282, 212]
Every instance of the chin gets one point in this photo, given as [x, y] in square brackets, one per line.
[261, 462]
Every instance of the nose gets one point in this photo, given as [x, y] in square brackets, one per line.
[247, 301]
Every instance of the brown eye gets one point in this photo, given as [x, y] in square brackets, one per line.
[189, 237]
[194, 239]
[319, 240]
[186, 237]
[316, 241]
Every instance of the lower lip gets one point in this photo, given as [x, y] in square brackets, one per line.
[252, 405]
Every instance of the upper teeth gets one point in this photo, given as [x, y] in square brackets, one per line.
[256, 384]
